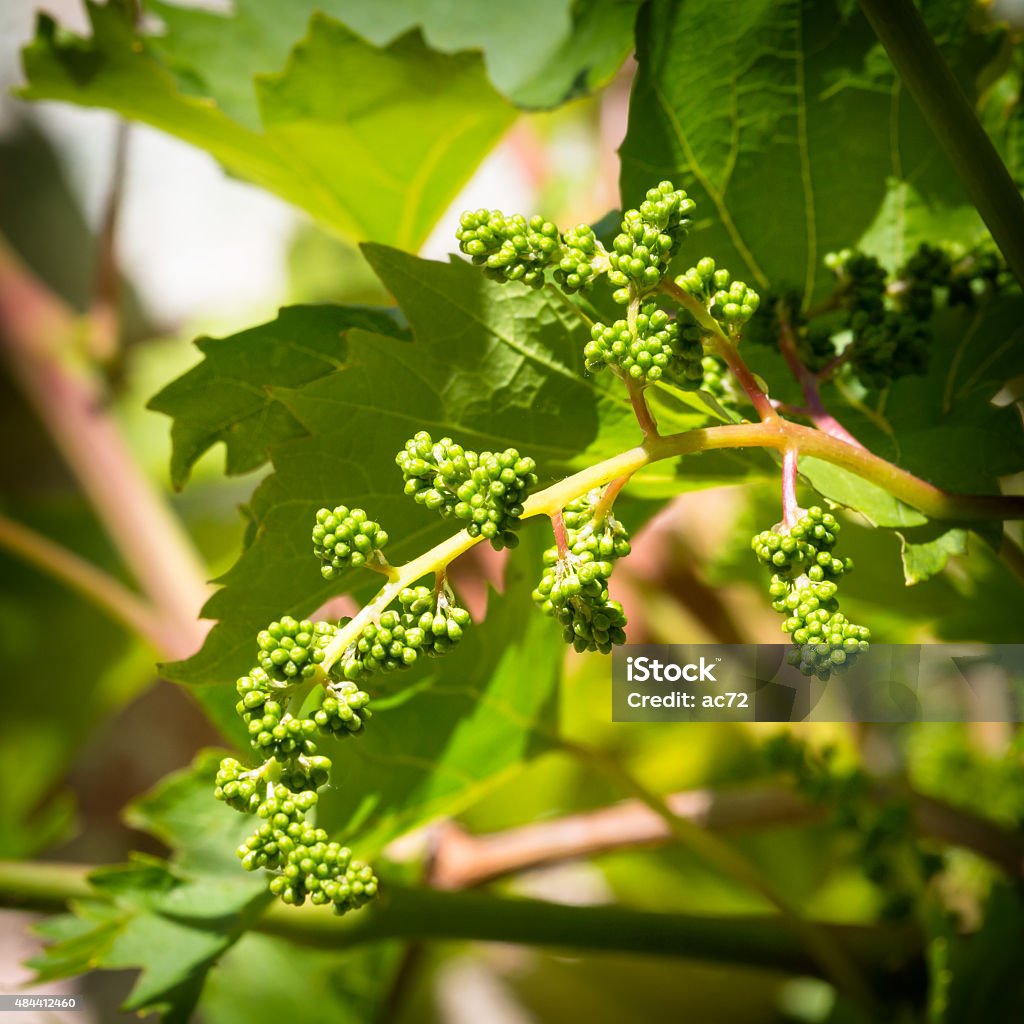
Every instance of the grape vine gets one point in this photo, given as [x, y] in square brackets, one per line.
[307, 684]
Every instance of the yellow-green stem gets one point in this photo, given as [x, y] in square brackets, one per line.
[776, 433]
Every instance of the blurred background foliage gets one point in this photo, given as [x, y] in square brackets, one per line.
[88, 726]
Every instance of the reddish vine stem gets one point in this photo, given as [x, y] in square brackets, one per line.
[607, 500]
[724, 349]
[558, 526]
[746, 379]
[462, 860]
[790, 506]
[790, 410]
[808, 382]
[644, 416]
[830, 367]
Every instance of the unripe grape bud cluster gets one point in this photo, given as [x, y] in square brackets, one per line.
[517, 248]
[728, 301]
[429, 624]
[574, 586]
[888, 318]
[486, 490]
[283, 790]
[291, 651]
[803, 587]
[344, 709]
[583, 258]
[887, 342]
[488, 493]
[344, 538]
[649, 238]
[658, 348]
[509, 248]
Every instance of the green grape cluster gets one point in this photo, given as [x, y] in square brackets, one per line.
[894, 346]
[582, 256]
[927, 270]
[304, 862]
[436, 615]
[291, 651]
[283, 791]
[891, 334]
[509, 248]
[975, 274]
[574, 586]
[806, 548]
[517, 248]
[325, 872]
[650, 237]
[344, 537]
[863, 280]
[343, 710]
[486, 490]
[804, 587]
[730, 302]
[888, 317]
[429, 623]
[657, 348]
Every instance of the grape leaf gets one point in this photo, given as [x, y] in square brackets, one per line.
[382, 161]
[226, 398]
[925, 557]
[538, 53]
[785, 121]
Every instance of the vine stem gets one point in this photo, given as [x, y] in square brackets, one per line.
[777, 434]
[415, 913]
[642, 411]
[902, 31]
[607, 500]
[561, 541]
[724, 347]
[102, 589]
[832, 958]
[790, 506]
[816, 411]
[462, 860]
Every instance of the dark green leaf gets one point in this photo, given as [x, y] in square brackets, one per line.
[226, 398]
[786, 121]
